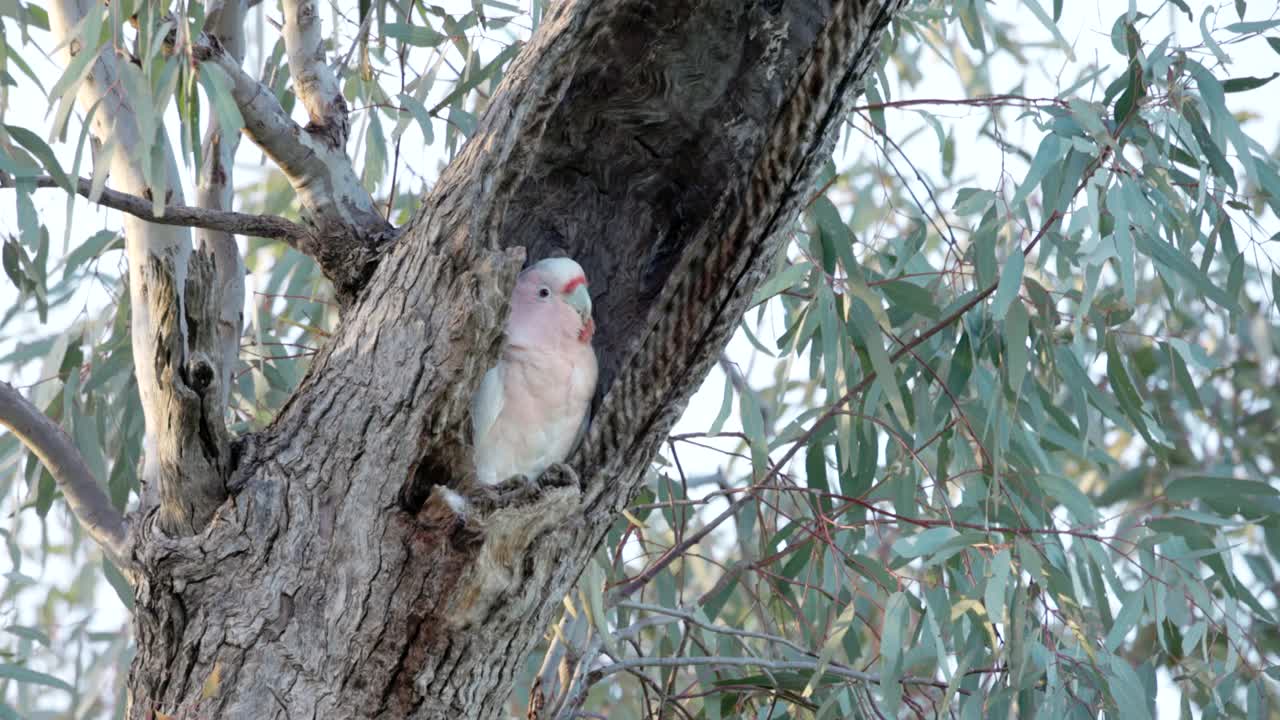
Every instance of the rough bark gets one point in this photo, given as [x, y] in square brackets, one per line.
[666, 145]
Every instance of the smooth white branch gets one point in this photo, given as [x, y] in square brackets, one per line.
[313, 81]
[215, 191]
[173, 299]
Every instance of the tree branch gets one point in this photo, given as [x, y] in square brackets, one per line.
[264, 226]
[313, 81]
[349, 234]
[771, 665]
[174, 302]
[710, 285]
[267, 124]
[689, 617]
[560, 662]
[84, 495]
[215, 191]
[583, 679]
[710, 149]
[341, 67]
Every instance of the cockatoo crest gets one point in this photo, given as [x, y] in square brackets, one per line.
[531, 408]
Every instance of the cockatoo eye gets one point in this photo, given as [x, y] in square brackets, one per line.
[544, 292]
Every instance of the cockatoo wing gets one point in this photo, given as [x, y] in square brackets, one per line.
[487, 403]
[582, 431]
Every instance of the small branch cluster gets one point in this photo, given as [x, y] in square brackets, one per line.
[571, 664]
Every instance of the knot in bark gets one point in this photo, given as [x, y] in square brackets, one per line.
[200, 371]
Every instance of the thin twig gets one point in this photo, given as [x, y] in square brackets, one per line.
[689, 617]
[340, 69]
[771, 665]
[264, 226]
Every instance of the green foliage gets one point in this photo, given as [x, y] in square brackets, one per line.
[414, 79]
[1000, 435]
[1019, 446]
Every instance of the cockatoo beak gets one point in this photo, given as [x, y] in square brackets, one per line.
[579, 299]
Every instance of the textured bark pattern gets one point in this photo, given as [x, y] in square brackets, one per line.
[187, 352]
[174, 323]
[215, 191]
[663, 143]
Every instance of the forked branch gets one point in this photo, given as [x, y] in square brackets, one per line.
[174, 305]
[347, 232]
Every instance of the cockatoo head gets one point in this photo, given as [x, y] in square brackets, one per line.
[550, 306]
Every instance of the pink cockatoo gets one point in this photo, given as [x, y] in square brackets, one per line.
[531, 408]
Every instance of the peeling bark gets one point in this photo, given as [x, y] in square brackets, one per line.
[173, 323]
[193, 452]
[215, 191]
[348, 235]
[667, 146]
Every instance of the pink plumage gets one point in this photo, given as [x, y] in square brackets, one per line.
[531, 408]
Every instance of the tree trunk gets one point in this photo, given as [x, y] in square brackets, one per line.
[665, 144]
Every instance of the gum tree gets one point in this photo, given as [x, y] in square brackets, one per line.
[1004, 374]
[310, 564]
